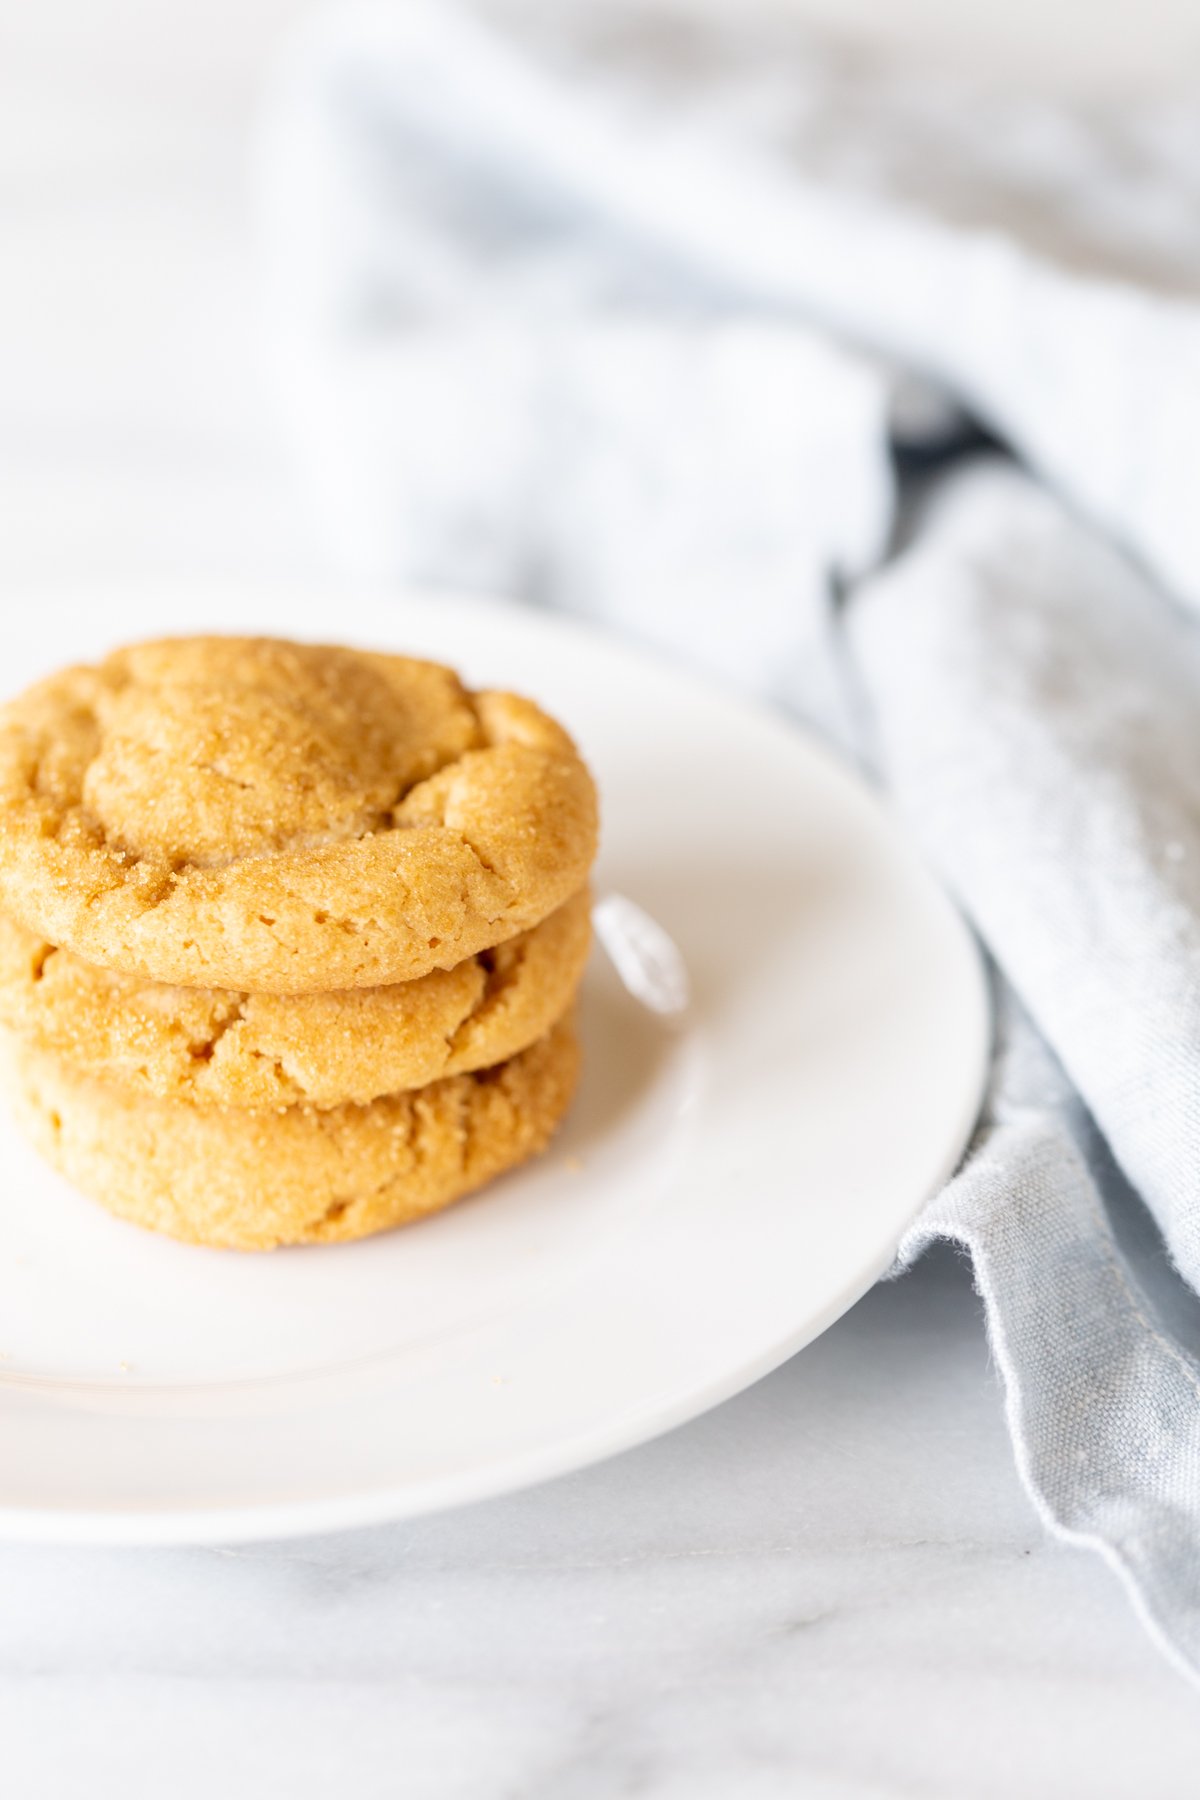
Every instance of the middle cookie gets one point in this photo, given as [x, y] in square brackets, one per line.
[215, 1047]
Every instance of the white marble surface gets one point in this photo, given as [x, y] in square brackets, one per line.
[831, 1586]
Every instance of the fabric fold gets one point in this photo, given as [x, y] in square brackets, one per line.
[1103, 1406]
[1038, 711]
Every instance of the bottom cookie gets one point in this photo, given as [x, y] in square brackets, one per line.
[254, 1179]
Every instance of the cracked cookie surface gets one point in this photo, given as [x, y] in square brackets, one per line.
[249, 813]
[250, 1179]
[236, 1049]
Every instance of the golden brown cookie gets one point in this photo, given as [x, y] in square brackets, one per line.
[251, 1179]
[254, 814]
[215, 1047]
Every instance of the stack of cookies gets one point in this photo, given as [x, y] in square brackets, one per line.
[290, 934]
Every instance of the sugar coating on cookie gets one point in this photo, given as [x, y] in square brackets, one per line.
[218, 1047]
[249, 1179]
[254, 814]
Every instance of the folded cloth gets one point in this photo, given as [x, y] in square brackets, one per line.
[550, 298]
[1038, 713]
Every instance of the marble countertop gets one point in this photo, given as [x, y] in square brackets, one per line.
[831, 1586]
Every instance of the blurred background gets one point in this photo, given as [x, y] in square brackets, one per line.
[138, 429]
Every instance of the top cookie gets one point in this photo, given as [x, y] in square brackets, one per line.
[283, 818]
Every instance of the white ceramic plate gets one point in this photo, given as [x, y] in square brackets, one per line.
[721, 1193]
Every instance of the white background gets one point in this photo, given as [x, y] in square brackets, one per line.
[831, 1586]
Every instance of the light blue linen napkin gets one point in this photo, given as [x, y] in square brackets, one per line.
[1037, 710]
[551, 312]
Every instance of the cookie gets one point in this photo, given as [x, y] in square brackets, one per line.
[235, 1049]
[272, 817]
[252, 1179]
